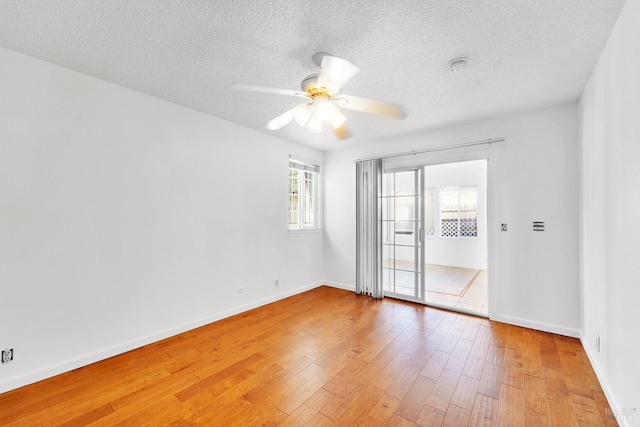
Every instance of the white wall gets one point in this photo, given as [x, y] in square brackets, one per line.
[467, 252]
[125, 219]
[610, 215]
[533, 176]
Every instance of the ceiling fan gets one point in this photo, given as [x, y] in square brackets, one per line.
[324, 100]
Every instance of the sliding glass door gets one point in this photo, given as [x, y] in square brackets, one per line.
[403, 259]
[434, 235]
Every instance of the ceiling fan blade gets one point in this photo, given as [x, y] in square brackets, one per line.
[266, 89]
[283, 119]
[335, 73]
[373, 106]
[343, 131]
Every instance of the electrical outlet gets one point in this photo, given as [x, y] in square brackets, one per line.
[503, 227]
[276, 284]
[7, 355]
[241, 290]
[598, 343]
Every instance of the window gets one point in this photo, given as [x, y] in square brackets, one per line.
[303, 195]
[458, 212]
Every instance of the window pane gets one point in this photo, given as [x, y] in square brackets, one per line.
[429, 211]
[469, 227]
[405, 183]
[308, 181]
[388, 235]
[405, 258]
[468, 212]
[388, 183]
[293, 180]
[404, 208]
[405, 233]
[448, 200]
[449, 214]
[309, 208]
[458, 212]
[387, 256]
[388, 280]
[387, 207]
[302, 196]
[294, 174]
[468, 199]
[294, 203]
[293, 219]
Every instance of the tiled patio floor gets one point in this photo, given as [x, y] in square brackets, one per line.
[450, 287]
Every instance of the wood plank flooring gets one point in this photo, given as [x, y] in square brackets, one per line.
[329, 357]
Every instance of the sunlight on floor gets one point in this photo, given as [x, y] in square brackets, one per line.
[472, 297]
[450, 287]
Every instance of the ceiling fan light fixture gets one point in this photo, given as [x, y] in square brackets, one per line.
[315, 124]
[338, 119]
[324, 108]
[303, 114]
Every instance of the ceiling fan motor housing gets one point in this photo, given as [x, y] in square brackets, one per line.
[310, 86]
[309, 82]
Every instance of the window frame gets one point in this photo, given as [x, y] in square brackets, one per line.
[458, 190]
[305, 169]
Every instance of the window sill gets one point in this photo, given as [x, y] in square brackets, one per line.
[304, 230]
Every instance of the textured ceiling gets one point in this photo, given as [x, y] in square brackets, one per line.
[523, 54]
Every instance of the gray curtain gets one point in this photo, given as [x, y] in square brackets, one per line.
[369, 228]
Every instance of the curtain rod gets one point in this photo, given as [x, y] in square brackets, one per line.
[427, 150]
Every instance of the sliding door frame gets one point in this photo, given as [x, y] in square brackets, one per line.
[418, 241]
[434, 160]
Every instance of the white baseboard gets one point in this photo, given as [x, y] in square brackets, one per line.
[604, 383]
[104, 353]
[540, 326]
[340, 285]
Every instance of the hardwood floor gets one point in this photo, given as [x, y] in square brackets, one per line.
[329, 357]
